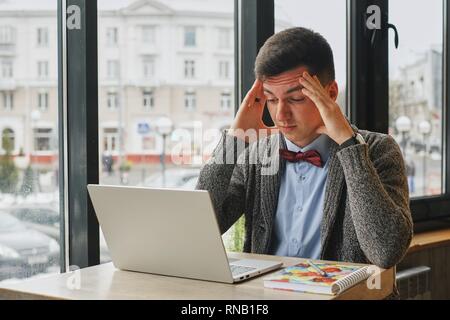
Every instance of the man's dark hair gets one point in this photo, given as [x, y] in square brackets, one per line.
[293, 48]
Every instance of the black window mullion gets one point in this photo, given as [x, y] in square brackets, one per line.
[254, 23]
[82, 135]
[368, 74]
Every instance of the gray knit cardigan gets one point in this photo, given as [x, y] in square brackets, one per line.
[366, 216]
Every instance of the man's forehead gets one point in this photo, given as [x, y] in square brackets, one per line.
[283, 89]
[284, 82]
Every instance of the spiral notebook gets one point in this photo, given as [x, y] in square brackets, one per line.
[333, 279]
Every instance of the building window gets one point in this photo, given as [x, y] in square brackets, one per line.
[224, 38]
[42, 138]
[112, 100]
[8, 135]
[225, 101]
[189, 69]
[189, 37]
[43, 101]
[8, 100]
[42, 37]
[7, 35]
[224, 67]
[112, 36]
[110, 140]
[190, 100]
[7, 69]
[148, 35]
[113, 71]
[42, 69]
[148, 100]
[148, 67]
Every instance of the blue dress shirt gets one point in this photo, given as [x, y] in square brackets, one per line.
[296, 230]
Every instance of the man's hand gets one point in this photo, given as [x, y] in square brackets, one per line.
[335, 124]
[249, 115]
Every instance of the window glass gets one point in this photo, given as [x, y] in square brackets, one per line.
[29, 191]
[415, 91]
[165, 91]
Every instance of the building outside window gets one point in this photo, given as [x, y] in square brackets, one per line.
[113, 71]
[148, 66]
[190, 37]
[43, 101]
[224, 38]
[111, 140]
[112, 101]
[189, 69]
[190, 102]
[224, 70]
[112, 36]
[7, 69]
[8, 100]
[225, 101]
[148, 35]
[42, 139]
[148, 100]
[42, 37]
[42, 69]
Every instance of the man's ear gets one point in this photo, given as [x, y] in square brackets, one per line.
[333, 90]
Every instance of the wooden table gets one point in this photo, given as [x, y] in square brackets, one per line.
[106, 282]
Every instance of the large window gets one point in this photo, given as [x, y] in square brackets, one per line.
[415, 91]
[29, 189]
[159, 86]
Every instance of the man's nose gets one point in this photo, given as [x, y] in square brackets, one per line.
[283, 111]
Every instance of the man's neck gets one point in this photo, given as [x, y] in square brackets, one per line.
[305, 141]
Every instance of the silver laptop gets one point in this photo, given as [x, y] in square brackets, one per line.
[168, 232]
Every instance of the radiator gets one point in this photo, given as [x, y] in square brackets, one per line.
[414, 283]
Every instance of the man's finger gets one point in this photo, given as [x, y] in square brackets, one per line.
[308, 79]
[316, 100]
[251, 95]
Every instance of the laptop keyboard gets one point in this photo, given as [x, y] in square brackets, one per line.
[235, 270]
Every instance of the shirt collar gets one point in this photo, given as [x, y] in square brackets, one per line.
[322, 144]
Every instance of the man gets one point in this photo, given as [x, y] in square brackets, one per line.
[337, 193]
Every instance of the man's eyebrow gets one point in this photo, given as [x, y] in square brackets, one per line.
[268, 91]
[299, 87]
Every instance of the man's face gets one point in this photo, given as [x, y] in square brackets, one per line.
[295, 115]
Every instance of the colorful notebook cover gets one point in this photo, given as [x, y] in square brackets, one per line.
[304, 277]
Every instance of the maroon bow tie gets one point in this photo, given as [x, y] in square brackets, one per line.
[311, 156]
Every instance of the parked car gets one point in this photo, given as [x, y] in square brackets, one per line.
[41, 218]
[46, 219]
[24, 251]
